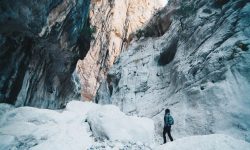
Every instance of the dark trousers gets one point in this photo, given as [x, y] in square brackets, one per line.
[167, 129]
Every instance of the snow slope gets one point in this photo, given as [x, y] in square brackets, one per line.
[39, 129]
[206, 142]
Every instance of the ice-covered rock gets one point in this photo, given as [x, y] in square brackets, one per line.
[108, 122]
[206, 142]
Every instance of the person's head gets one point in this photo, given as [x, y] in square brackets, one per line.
[167, 111]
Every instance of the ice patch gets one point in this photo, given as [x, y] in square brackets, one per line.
[76, 81]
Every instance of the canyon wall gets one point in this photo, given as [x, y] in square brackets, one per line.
[40, 43]
[199, 68]
[113, 23]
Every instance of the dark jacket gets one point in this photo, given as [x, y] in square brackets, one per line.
[168, 120]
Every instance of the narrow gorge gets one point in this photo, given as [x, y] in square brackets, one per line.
[115, 23]
[99, 74]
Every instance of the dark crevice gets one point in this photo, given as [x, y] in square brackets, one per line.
[18, 66]
[168, 54]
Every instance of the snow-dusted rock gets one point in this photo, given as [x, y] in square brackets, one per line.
[108, 122]
[206, 142]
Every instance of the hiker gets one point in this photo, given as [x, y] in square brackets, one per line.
[168, 121]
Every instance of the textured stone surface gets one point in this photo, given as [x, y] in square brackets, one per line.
[200, 69]
[114, 21]
[40, 43]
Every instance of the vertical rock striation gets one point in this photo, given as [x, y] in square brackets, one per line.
[199, 68]
[114, 22]
[40, 43]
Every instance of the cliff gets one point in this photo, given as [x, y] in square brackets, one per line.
[114, 23]
[40, 43]
[199, 68]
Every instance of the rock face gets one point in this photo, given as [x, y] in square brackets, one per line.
[40, 43]
[199, 68]
[114, 22]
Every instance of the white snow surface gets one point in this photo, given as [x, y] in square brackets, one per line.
[27, 128]
[39, 129]
[206, 142]
[109, 122]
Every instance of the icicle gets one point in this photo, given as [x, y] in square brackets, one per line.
[76, 81]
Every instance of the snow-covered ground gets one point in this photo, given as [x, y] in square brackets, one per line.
[206, 142]
[39, 129]
[84, 125]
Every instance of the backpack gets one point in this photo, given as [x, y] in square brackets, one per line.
[169, 120]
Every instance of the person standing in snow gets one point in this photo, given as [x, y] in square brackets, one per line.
[168, 122]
